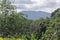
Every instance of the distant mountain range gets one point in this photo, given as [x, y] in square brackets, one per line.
[36, 14]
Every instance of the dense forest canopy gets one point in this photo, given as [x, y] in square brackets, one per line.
[14, 24]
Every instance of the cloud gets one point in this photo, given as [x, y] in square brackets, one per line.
[23, 1]
[37, 5]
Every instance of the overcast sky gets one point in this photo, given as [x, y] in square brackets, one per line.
[37, 5]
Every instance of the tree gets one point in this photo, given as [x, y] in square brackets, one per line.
[52, 32]
[11, 20]
[56, 13]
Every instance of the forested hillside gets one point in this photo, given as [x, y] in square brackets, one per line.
[14, 26]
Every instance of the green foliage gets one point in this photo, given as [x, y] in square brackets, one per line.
[15, 25]
[33, 37]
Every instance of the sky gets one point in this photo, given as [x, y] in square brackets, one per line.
[37, 5]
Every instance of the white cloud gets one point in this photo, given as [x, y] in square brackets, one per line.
[40, 5]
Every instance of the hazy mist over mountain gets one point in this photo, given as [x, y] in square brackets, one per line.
[36, 14]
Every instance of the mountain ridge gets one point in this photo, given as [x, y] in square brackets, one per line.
[36, 14]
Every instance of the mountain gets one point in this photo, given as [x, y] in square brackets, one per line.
[36, 14]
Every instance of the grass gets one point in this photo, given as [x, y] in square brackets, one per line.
[10, 38]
